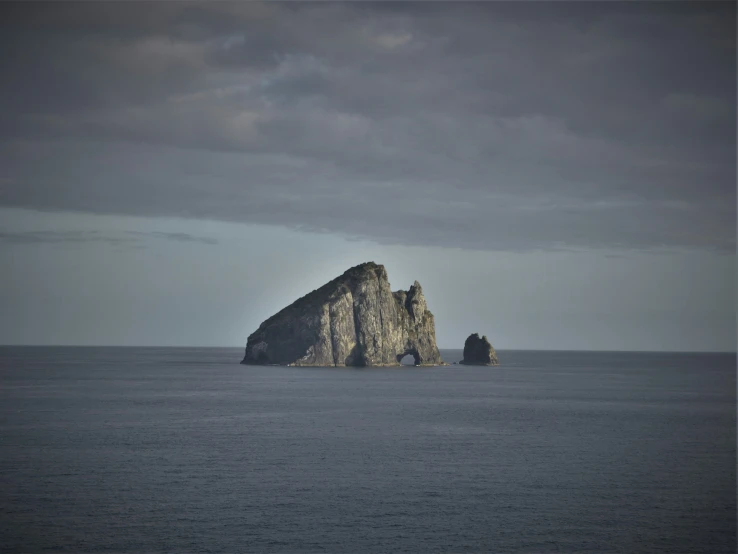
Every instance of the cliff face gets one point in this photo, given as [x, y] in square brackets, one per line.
[354, 320]
[478, 351]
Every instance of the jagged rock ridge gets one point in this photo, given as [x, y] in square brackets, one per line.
[478, 351]
[354, 320]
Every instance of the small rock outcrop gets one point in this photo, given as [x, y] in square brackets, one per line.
[478, 351]
[354, 320]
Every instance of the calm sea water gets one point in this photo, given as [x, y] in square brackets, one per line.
[135, 450]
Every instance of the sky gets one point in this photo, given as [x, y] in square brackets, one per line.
[556, 175]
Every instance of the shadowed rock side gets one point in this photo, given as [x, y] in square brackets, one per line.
[478, 351]
[354, 320]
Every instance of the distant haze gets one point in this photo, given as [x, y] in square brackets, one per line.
[556, 175]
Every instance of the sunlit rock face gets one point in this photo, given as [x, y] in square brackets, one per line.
[354, 320]
[478, 351]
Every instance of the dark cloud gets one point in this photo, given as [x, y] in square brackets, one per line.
[60, 237]
[475, 125]
[178, 237]
[133, 238]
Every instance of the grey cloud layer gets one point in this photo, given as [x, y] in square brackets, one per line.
[488, 125]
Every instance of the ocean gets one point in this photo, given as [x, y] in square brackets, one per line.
[138, 450]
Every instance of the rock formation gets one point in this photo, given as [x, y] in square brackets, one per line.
[354, 320]
[478, 351]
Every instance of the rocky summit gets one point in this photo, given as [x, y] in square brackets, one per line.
[354, 320]
[478, 351]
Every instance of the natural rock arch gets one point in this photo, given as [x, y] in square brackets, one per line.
[408, 353]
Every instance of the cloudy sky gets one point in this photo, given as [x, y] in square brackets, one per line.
[556, 175]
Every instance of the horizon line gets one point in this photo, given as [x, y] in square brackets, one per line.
[440, 348]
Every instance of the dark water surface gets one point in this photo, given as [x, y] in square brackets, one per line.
[134, 450]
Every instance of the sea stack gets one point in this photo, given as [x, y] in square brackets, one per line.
[354, 320]
[478, 351]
